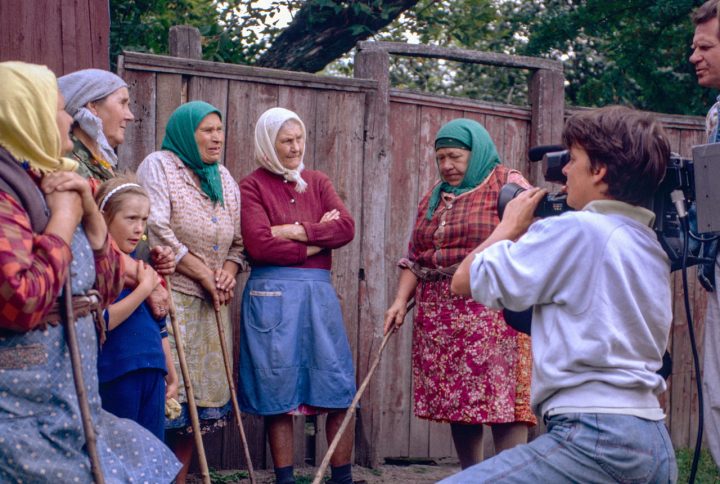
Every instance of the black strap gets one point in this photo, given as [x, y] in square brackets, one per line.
[16, 182]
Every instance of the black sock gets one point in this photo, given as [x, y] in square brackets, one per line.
[284, 475]
[341, 474]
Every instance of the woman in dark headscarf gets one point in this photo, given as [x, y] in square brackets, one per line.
[195, 209]
[44, 236]
[469, 367]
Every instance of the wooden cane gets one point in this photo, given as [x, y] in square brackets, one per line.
[233, 395]
[76, 362]
[351, 411]
[192, 408]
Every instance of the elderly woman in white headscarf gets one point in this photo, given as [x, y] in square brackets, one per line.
[294, 353]
[99, 103]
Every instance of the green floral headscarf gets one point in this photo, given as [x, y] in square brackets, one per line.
[180, 139]
[467, 134]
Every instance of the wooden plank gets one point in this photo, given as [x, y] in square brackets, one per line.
[547, 103]
[246, 102]
[681, 390]
[99, 26]
[219, 70]
[516, 146]
[46, 43]
[140, 134]
[462, 55]
[372, 300]
[338, 150]
[320, 439]
[495, 126]
[440, 444]
[402, 196]
[170, 87]
[299, 443]
[75, 19]
[468, 105]
[185, 41]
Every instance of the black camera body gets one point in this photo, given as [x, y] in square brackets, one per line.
[554, 158]
[679, 176]
[551, 204]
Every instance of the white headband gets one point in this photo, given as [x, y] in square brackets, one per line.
[114, 191]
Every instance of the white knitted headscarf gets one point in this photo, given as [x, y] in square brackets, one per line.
[266, 131]
[82, 87]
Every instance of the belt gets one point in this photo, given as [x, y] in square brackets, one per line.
[82, 305]
[433, 274]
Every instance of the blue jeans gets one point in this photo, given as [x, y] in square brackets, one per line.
[587, 448]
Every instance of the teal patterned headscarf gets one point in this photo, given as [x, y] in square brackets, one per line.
[180, 139]
[470, 135]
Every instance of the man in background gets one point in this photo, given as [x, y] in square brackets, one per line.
[706, 59]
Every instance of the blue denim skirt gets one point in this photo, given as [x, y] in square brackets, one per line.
[293, 346]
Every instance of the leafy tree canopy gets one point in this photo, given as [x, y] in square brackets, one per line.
[614, 51]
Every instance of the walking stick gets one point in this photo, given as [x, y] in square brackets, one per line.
[76, 363]
[351, 411]
[233, 395]
[194, 419]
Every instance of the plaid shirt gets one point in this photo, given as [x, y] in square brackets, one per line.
[460, 223]
[33, 268]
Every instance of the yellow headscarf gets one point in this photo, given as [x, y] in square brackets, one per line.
[28, 109]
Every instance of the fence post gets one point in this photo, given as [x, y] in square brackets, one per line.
[372, 64]
[185, 41]
[547, 102]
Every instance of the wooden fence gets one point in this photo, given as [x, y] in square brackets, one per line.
[65, 35]
[375, 143]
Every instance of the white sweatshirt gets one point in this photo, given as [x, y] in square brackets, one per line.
[599, 282]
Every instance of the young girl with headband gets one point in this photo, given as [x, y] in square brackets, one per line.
[135, 366]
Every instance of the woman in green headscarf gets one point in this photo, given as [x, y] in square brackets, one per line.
[470, 368]
[195, 209]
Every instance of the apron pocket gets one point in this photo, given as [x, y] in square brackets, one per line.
[265, 310]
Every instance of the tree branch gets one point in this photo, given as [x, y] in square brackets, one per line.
[324, 30]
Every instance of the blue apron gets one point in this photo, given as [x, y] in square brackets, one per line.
[293, 345]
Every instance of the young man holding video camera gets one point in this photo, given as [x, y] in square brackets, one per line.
[599, 284]
[706, 59]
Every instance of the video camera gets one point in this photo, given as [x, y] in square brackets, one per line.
[681, 177]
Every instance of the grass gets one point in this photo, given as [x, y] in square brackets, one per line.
[217, 477]
[707, 472]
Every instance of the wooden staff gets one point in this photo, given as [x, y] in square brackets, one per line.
[194, 419]
[233, 395]
[351, 411]
[76, 362]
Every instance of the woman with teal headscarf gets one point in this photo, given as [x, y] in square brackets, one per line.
[195, 209]
[469, 367]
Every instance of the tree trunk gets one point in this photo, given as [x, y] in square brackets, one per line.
[324, 30]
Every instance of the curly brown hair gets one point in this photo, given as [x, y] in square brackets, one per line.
[630, 144]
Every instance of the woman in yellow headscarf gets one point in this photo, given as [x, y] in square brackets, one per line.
[47, 234]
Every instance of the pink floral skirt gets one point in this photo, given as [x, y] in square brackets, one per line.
[469, 366]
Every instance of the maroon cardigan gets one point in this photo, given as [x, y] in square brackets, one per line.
[267, 200]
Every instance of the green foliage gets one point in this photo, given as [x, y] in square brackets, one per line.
[707, 472]
[619, 51]
[143, 25]
[614, 51]
[217, 477]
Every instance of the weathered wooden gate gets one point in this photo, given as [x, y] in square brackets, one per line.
[375, 143]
